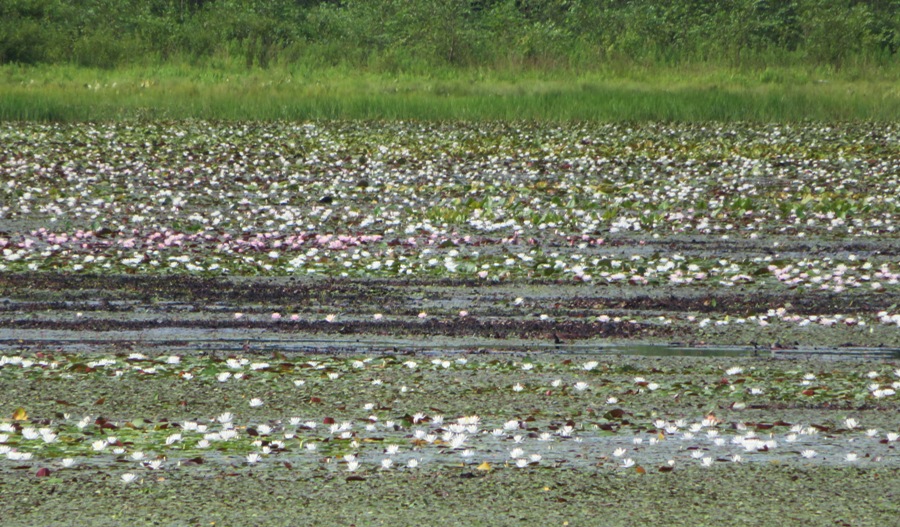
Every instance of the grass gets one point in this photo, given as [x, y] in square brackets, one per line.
[71, 94]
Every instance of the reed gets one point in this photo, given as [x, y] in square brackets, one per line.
[67, 93]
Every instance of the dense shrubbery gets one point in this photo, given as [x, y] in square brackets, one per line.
[421, 34]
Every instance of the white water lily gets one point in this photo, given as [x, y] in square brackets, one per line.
[30, 433]
[457, 441]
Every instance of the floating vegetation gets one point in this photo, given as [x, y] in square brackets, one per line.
[166, 286]
[489, 202]
[597, 415]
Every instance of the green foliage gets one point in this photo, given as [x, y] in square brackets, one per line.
[226, 90]
[406, 35]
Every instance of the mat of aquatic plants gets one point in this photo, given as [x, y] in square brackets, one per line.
[249, 323]
[746, 235]
[387, 437]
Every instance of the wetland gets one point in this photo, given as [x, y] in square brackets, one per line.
[355, 322]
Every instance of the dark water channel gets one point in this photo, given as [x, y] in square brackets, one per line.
[191, 341]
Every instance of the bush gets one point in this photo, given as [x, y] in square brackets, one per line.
[398, 35]
[22, 43]
[101, 49]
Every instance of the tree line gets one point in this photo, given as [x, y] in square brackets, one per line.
[410, 35]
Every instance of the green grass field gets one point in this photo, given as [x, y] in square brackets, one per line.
[67, 94]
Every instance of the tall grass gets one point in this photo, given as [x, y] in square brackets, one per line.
[406, 35]
[450, 59]
[66, 93]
